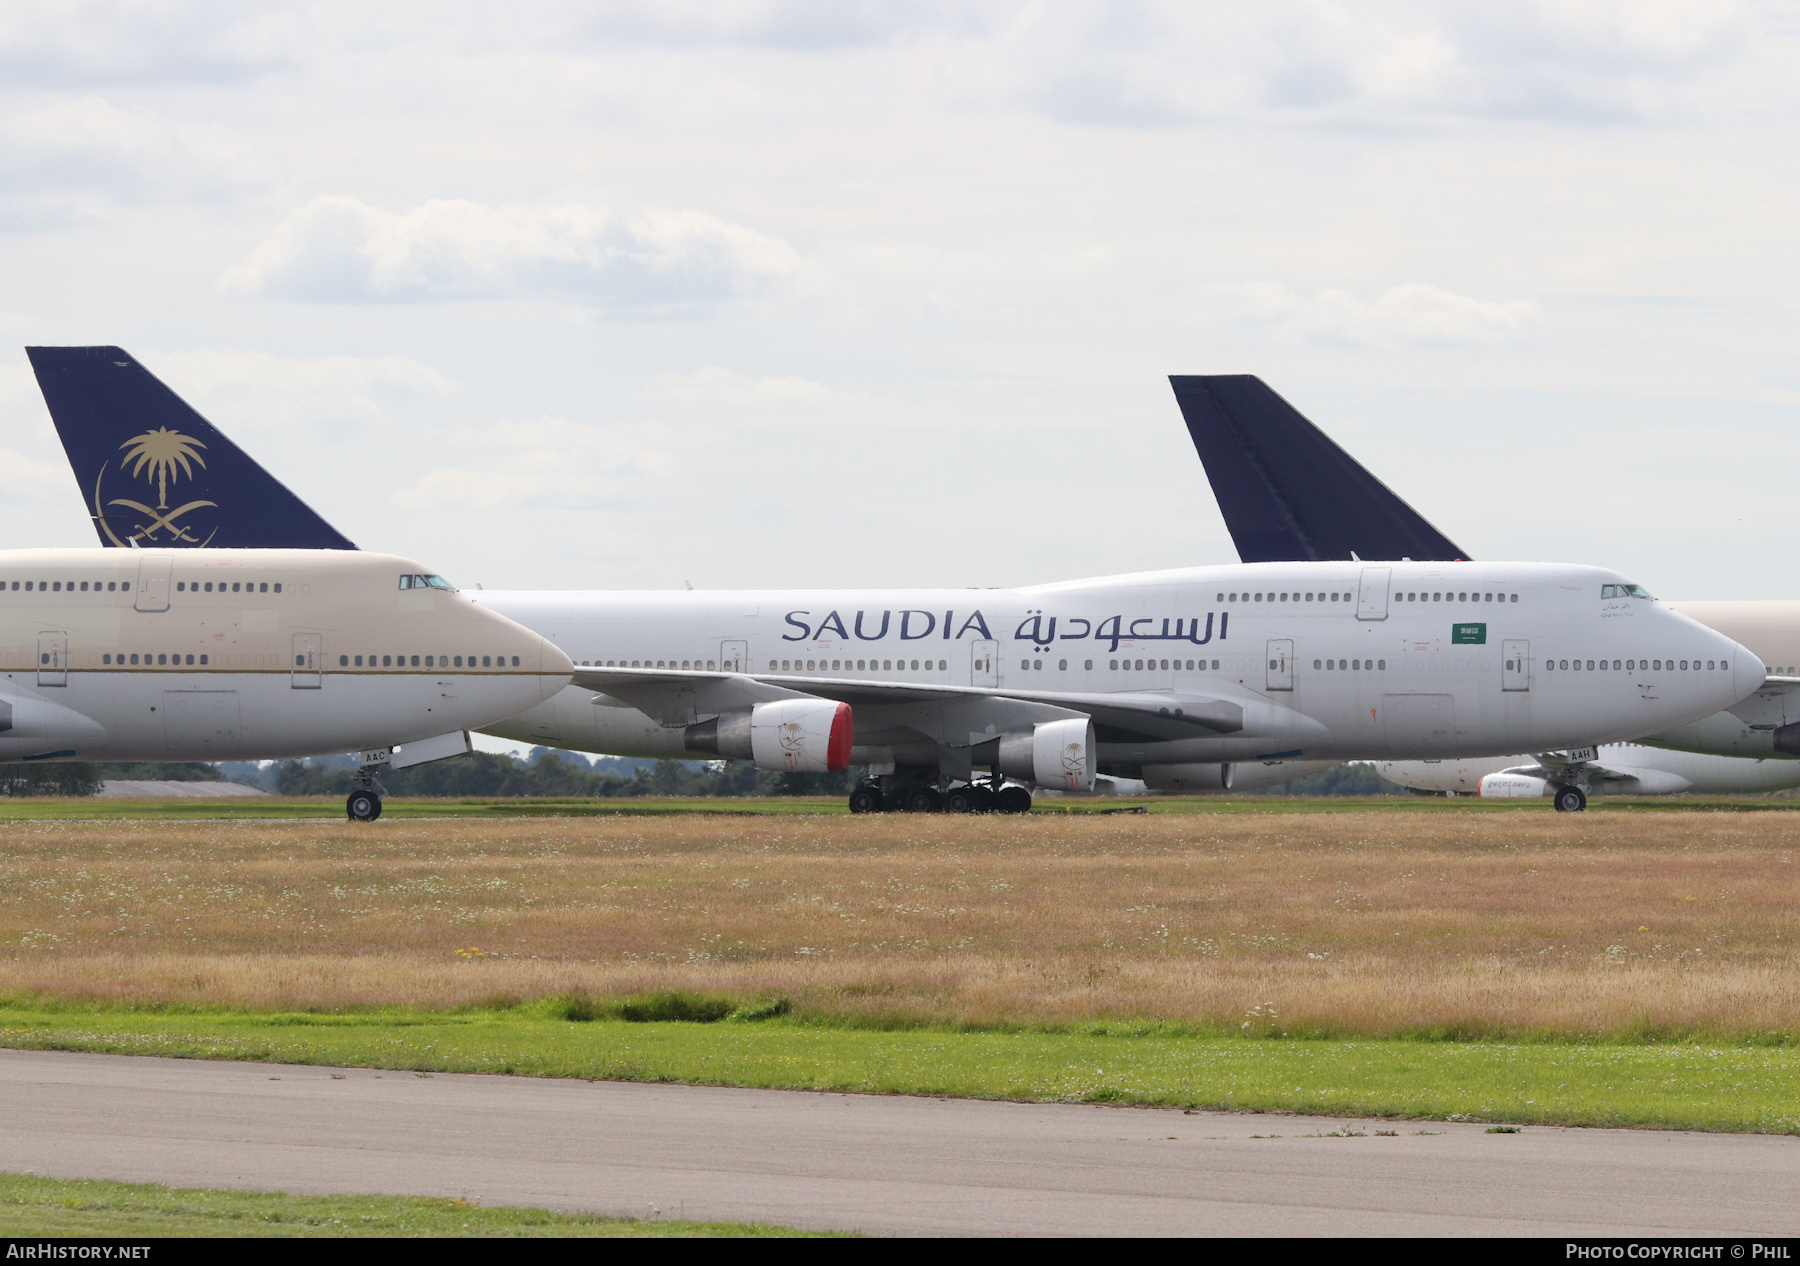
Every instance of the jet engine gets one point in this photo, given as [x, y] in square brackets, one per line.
[1511, 787]
[807, 736]
[1057, 754]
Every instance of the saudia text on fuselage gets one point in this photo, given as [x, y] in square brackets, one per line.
[1037, 628]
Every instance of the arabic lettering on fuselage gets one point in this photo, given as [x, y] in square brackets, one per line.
[1036, 628]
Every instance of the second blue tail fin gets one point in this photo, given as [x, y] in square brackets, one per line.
[154, 473]
[1287, 492]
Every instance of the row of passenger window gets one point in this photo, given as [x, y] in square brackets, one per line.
[1148, 665]
[124, 586]
[430, 661]
[1440, 596]
[1283, 597]
[58, 586]
[161, 660]
[1637, 665]
[247, 586]
[696, 665]
[862, 665]
[1347, 665]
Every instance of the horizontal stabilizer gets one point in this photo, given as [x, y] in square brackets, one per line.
[1287, 492]
[156, 474]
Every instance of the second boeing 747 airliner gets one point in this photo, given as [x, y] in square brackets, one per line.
[1050, 685]
[239, 654]
[1133, 675]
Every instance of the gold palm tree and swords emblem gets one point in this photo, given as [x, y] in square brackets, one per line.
[165, 456]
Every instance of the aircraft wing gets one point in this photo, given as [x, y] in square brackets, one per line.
[676, 698]
[683, 697]
[1553, 764]
[1775, 704]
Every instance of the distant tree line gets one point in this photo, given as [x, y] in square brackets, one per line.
[560, 774]
[1355, 779]
[545, 772]
[83, 778]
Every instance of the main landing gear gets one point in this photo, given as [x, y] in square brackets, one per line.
[1570, 799]
[364, 804]
[878, 795]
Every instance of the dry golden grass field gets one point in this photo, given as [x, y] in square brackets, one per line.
[1363, 922]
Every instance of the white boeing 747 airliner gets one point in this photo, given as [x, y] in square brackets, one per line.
[1168, 676]
[1630, 769]
[247, 654]
[1728, 752]
[1138, 675]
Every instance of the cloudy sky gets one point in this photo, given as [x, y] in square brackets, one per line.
[827, 292]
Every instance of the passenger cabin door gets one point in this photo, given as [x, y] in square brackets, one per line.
[153, 582]
[984, 664]
[1372, 593]
[308, 661]
[1281, 664]
[1515, 664]
[53, 659]
[734, 657]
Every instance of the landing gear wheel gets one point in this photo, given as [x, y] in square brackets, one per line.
[363, 805]
[985, 800]
[865, 800]
[1570, 800]
[1013, 800]
[923, 800]
[961, 800]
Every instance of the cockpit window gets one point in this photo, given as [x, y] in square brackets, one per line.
[425, 582]
[1625, 591]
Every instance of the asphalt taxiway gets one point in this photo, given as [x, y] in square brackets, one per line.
[886, 1165]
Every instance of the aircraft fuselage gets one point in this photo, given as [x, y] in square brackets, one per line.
[1326, 660]
[110, 654]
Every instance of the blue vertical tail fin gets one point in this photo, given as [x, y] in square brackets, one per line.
[154, 473]
[1287, 492]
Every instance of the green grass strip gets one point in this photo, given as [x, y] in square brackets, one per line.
[332, 807]
[31, 1207]
[1676, 1084]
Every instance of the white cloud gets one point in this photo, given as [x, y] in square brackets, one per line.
[550, 464]
[69, 154]
[715, 387]
[1153, 64]
[123, 41]
[22, 479]
[342, 250]
[809, 25]
[1413, 315]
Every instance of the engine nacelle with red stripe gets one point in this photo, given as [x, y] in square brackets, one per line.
[1512, 787]
[805, 736]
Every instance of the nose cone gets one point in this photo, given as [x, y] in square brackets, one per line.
[556, 666]
[1746, 670]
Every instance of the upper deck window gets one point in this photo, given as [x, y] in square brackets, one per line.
[1624, 591]
[425, 582]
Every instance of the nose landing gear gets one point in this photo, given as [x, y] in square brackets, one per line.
[364, 804]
